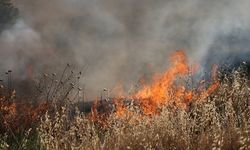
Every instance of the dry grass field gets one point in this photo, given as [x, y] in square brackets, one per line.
[212, 115]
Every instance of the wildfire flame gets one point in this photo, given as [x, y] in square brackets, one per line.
[164, 90]
[17, 116]
[158, 93]
[167, 88]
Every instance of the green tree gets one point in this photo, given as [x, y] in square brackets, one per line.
[8, 14]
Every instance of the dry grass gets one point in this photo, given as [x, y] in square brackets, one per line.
[220, 121]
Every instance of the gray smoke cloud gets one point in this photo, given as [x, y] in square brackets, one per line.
[119, 39]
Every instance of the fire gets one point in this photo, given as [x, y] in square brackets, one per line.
[167, 88]
[163, 90]
[157, 94]
[17, 116]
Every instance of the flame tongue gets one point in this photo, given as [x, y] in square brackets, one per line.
[158, 93]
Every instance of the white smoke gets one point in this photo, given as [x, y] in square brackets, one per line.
[117, 39]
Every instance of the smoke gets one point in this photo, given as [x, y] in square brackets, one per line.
[120, 40]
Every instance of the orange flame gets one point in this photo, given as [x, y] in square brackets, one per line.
[155, 95]
[163, 91]
[166, 88]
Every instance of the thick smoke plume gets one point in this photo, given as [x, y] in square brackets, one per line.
[120, 40]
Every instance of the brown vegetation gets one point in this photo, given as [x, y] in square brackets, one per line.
[213, 116]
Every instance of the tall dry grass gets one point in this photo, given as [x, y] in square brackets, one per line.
[219, 121]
